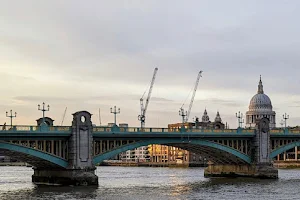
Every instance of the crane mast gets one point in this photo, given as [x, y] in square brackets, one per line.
[142, 116]
[193, 96]
[99, 117]
[64, 115]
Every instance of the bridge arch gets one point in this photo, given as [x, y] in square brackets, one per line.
[284, 148]
[173, 142]
[32, 156]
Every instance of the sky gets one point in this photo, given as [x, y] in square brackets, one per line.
[91, 55]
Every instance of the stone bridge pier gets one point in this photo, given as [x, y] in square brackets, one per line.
[81, 170]
[261, 165]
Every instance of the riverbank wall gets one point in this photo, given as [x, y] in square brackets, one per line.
[286, 164]
[151, 164]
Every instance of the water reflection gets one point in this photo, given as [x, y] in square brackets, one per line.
[44, 192]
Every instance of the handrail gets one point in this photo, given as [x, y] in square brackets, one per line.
[103, 129]
[168, 130]
[35, 128]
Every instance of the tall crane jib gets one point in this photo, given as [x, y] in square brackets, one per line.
[64, 115]
[142, 116]
[193, 97]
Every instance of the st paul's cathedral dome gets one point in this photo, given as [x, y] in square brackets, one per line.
[260, 106]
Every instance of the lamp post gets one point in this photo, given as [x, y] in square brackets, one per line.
[239, 116]
[196, 120]
[43, 110]
[285, 117]
[115, 112]
[11, 116]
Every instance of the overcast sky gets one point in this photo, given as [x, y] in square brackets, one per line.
[87, 55]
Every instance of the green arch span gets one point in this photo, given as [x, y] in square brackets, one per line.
[284, 148]
[110, 154]
[35, 153]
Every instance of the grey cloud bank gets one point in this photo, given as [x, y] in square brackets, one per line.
[101, 53]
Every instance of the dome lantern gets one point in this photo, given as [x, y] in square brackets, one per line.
[260, 87]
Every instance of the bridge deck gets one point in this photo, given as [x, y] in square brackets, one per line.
[134, 132]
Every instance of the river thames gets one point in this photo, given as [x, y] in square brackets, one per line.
[151, 183]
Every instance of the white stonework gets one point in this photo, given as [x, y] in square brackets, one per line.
[260, 106]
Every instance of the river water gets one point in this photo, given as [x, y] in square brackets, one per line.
[152, 183]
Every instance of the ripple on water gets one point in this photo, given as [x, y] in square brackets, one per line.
[151, 183]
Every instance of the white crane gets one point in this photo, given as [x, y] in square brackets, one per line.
[192, 100]
[142, 116]
[64, 115]
[99, 117]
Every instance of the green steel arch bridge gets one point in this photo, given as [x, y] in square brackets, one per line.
[68, 154]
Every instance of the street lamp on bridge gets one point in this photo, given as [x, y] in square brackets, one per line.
[285, 117]
[43, 110]
[115, 112]
[239, 116]
[11, 116]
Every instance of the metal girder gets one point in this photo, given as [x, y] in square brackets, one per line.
[284, 148]
[171, 142]
[32, 156]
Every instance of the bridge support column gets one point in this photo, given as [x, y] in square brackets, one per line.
[77, 177]
[262, 150]
[81, 170]
[261, 166]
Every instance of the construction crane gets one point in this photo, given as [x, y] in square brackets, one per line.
[142, 116]
[62, 121]
[192, 99]
[99, 117]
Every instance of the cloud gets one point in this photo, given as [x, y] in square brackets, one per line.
[159, 99]
[295, 104]
[41, 99]
[92, 54]
[116, 97]
[222, 102]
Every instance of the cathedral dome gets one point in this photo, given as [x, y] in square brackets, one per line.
[260, 101]
[260, 107]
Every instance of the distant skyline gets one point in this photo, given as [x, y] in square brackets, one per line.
[87, 56]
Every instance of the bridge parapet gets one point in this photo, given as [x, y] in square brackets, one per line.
[27, 128]
[284, 131]
[168, 130]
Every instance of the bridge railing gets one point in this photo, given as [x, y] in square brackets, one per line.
[133, 129]
[168, 130]
[35, 128]
[284, 131]
[277, 131]
[294, 131]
